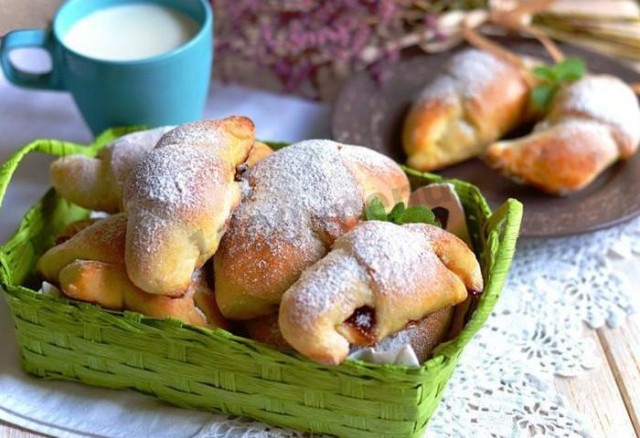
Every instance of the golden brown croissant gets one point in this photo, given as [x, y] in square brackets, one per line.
[477, 100]
[96, 183]
[179, 200]
[108, 285]
[89, 266]
[590, 125]
[376, 279]
[296, 203]
[101, 241]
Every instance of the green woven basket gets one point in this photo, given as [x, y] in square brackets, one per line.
[213, 369]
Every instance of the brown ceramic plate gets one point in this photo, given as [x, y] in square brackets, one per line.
[371, 114]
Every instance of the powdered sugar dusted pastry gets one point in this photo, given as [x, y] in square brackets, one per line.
[96, 183]
[179, 200]
[89, 266]
[376, 279]
[296, 203]
[477, 100]
[421, 336]
[590, 125]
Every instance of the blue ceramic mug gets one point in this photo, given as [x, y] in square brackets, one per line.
[167, 89]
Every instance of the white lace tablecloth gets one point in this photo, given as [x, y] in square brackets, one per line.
[502, 387]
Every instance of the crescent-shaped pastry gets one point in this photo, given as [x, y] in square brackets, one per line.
[296, 203]
[376, 279]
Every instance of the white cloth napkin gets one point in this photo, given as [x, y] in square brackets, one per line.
[65, 409]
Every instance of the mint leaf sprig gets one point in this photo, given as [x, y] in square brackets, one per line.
[400, 214]
[553, 78]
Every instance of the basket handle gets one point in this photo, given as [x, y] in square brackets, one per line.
[56, 148]
[505, 222]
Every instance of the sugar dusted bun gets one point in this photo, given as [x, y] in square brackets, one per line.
[108, 285]
[477, 100]
[590, 125]
[179, 200]
[423, 336]
[96, 183]
[100, 241]
[89, 266]
[376, 279]
[297, 202]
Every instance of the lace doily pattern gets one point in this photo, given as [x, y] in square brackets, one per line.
[503, 385]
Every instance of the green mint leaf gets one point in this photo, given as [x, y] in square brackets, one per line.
[570, 69]
[400, 214]
[542, 95]
[419, 214]
[396, 213]
[375, 211]
[545, 72]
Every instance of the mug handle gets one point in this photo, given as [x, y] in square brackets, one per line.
[29, 38]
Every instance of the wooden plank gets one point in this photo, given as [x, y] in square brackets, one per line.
[595, 395]
[622, 348]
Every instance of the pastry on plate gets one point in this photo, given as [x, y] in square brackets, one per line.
[475, 101]
[179, 200]
[296, 203]
[591, 124]
[378, 278]
[89, 266]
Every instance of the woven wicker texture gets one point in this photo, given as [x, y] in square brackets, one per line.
[213, 369]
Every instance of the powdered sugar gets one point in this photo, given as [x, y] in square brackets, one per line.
[607, 99]
[170, 178]
[582, 136]
[474, 70]
[393, 255]
[202, 134]
[376, 164]
[443, 89]
[300, 188]
[468, 74]
[327, 285]
[385, 257]
[126, 152]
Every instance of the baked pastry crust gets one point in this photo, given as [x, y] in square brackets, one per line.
[478, 99]
[89, 266]
[590, 125]
[296, 203]
[376, 279]
[179, 200]
[423, 336]
[96, 183]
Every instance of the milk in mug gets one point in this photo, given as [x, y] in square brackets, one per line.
[130, 32]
